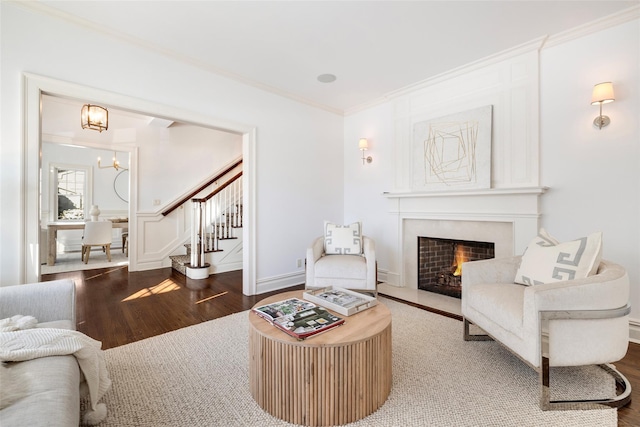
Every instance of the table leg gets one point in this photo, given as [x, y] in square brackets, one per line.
[52, 235]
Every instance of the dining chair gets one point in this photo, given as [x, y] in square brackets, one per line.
[96, 233]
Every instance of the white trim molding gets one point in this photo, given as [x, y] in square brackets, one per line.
[634, 330]
[35, 86]
[282, 281]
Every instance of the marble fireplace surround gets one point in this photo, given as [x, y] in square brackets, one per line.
[509, 218]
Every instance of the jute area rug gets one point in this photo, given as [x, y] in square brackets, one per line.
[198, 376]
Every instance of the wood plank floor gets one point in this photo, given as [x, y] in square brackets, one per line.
[118, 307]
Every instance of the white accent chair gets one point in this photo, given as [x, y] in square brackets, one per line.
[566, 323]
[355, 272]
[97, 233]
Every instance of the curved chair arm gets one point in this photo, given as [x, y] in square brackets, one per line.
[606, 290]
[623, 385]
[494, 270]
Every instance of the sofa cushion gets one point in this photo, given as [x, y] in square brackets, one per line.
[341, 266]
[502, 303]
[546, 261]
[342, 239]
[51, 393]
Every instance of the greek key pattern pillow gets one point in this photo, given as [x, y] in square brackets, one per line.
[546, 260]
[342, 239]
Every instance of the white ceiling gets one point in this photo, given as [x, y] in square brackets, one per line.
[373, 47]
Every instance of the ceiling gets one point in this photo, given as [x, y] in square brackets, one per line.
[373, 47]
[61, 124]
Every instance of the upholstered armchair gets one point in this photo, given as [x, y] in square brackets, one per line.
[574, 322]
[342, 257]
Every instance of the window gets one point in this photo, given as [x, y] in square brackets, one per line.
[71, 192]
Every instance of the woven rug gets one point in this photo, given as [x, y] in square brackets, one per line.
[198, 376]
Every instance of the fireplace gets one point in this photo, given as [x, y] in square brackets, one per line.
[440, 261]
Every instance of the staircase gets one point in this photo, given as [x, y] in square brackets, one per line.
[216, 228]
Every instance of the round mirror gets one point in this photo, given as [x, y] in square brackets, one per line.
[121, 185]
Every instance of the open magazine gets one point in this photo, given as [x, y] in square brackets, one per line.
[298, 318]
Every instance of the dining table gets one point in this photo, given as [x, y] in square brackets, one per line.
[52, 234]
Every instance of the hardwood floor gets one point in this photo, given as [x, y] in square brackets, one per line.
[118, 307]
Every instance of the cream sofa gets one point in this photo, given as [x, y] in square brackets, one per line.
[566, 323]
[48, 386]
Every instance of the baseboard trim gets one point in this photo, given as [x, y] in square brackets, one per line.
[634, 330]
[283, 281]
[388, 277]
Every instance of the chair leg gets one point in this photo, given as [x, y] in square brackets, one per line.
[87, 251]
[108, 250]
[473, 337]
[546, 404]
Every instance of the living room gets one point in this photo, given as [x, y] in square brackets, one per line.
[305, 159]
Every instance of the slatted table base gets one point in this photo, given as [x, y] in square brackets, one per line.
[320, 384]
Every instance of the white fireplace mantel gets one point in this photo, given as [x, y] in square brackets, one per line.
[509, 217]
[470, 192]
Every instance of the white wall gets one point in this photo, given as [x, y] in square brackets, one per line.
[365, 184]
[593, 174]
[299, 166]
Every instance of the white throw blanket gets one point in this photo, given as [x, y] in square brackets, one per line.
[30, 344]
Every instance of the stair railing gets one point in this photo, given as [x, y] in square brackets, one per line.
[214, 217]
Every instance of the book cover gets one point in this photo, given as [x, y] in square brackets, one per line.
[282, 308]
[308, 322]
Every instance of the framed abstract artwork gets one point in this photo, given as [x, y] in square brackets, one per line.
[453, 152]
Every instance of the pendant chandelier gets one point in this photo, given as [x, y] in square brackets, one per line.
[94, 117]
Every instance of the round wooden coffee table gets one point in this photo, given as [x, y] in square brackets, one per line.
[333, 378]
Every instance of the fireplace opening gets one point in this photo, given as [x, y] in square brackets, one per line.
[440, 262]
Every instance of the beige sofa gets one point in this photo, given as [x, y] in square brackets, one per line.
[566, 323]
[47, 389]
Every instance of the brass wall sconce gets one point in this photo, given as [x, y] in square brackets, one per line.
[363, 145]
[602, 94]
[94, 117]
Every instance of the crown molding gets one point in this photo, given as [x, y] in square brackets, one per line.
[37, 7]
[604, 23]
[541, 43]
[514, 51]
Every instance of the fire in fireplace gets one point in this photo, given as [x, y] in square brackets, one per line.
[440, 263]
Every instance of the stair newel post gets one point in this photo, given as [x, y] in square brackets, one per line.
[235, 203]
[207, 223]
[225, 212]
[240, 204]
[216, 222]
[196, 225]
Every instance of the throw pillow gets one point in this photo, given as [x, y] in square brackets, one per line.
[546, 260]
[342, 239]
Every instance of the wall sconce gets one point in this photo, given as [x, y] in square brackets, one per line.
[363, 145]
[115, 164]
[94, 117]
[602, 94]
